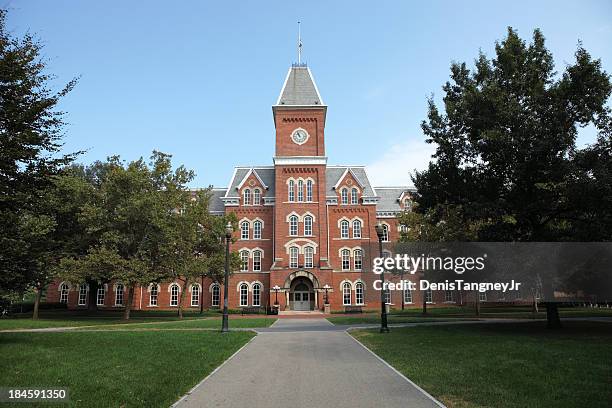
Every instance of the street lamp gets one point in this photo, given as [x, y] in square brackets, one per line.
[276, 289]
[380, 231]
[228, 237]
[326, 287]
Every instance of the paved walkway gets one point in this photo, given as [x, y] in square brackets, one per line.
[305, 363]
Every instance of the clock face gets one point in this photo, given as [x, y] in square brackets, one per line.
[299, 136]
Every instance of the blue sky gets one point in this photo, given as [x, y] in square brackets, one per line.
[197, 78]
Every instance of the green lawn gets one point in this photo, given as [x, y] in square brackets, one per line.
[503, 365]
[113, 369]
[370, 318]
[210, 323]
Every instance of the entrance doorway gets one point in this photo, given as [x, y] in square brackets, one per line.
[301, 295]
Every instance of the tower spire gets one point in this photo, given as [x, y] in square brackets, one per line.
[299, 47]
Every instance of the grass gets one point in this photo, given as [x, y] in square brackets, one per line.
[391, 319]
[127, 369]
[193, 324]
[503, 365]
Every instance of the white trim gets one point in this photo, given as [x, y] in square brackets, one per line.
[305, 140]
[299, 160]
[283, 88]
[210, 288]
[343, 176]
[315, 86]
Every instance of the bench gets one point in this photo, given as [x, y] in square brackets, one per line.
[250, 310]
[353, 309]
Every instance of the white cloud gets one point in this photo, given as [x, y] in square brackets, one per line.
[398, 162]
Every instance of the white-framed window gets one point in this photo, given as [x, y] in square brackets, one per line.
[153, 295]
[119, 295]
[354, 196]
[256, 196]
[428, 296]
[387, 296]
[195, 295]
[246, 197]
[309, 190]
[449, 296]
[344, 229]
[359, 293]
[100, 296]
[407, 295]
[308, 257]
[291, 191]
[257, 261]
[174, 294]
[346, 259]
[407, 204]
[63, 290]
[293, 257]
[244, 230]
[482, 296]
[215, 299]
[244, 295]
[346, 293]
[358, 259]
[344, 196]
[257, 230]
[300, 191]
[83, 294]
[385, 236]
[308, 225]
[293, 225]
[356, 229]
[256, 294]
[244, 261]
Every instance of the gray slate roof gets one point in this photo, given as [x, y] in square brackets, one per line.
[215, 200]
[389, 197]
[299, 88]
[334, 173]
[265, 173]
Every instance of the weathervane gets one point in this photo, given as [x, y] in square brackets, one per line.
[299, 44]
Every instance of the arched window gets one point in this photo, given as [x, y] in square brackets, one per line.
[83, 294]
[346, 259]
[100, 295]
[359, 293]
[153, 295]
[244, 230]
[407, 295]
[344, 196]
[257, 261]
[308, 225]
[344, 229]
[385, 236]
[119, 295]
[246, 195]
[293, 257]
[244, 261]
[358, 259]
[293, 225]
[354, 196]
[300, 191]
[428, 296]
[256, 294]
[291, 191]
[257, 230]
[309, 190]
[256, 196]
[244, 295]
[195, 295]
[346, 293]
[308, 257]
[356, 229]
[216, 295]
[407, 204]
[63, 293]
[174, 294]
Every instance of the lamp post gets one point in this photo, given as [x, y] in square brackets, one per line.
[327, 288]
[228, 237]
[380, 231]
[276, 289]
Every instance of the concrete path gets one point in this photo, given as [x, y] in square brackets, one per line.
[305, 363]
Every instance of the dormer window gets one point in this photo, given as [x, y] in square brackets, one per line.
[257, 197]
[246, 197]
[344, 196]
[354, 196]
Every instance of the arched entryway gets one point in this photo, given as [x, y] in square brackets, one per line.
[301, 294]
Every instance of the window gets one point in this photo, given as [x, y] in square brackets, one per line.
[358, 259]
[407, 204]
[291, 191]
[244, 295]
[244, 230]
[257, 230]
[195, 295]
[346, 293]
[309, 190]
[354, 196]
[256, 196]
[308, 257]
[119, 295]
[482, 296]
[83, 294]
[385, 236]
[244, 261]
[63, 293]
[449, 296]
[216, 295]
[356, 229]
[246, 195]
[100, 296]
[256, 294]
[174, 294]
[407, 295]
[257, 261]
[293, 225]
[346, 259]
[428, 296]
[300, 191]
[293, 257]
[308, 225]
[344, 229]
[153, 296]
[344, 196]
[359, 293]
[387, 297]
